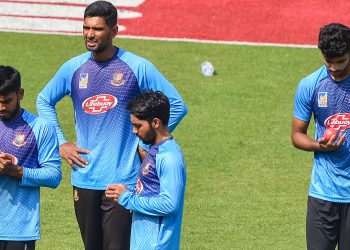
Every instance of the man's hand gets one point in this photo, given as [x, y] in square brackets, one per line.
[8, 168]
[70, 152]
[114, 191]
[331, 144]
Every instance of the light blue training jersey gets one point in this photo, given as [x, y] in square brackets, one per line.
[329, 102]
[100, 92]
[33, 145]
[157, 201]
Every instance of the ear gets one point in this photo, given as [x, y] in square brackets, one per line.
[155, 123]
[115, 30]
[20, 94]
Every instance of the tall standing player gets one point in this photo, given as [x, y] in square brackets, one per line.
[29, 158]
[100, 83]
[157, 201]
[325, 94]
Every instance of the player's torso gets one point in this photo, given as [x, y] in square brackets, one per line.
[100, 93]
[331, 173]
[148, 183]
[20, 205]
[18, 139]
[331, 104]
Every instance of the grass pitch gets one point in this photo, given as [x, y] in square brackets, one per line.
[247, 186]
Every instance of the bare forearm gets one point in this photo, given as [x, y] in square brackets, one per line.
[304, 142]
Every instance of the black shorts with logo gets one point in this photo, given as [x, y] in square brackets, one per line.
[327, 224]
[103, 223]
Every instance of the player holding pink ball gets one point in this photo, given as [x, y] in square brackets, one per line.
[324, 96]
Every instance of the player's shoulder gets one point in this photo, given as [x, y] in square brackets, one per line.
[36, 122]
[315, 77]
[131, 58]
[79, 59]
[170, 150]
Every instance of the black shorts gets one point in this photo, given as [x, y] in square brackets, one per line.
[327, 225]
[103, 223]
[17, 245]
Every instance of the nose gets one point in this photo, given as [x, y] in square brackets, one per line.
[332, 67]
[90, 33]
[2, 107]
[134, 130]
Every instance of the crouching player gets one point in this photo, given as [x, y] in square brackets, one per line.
[158, 199]
[29, 158]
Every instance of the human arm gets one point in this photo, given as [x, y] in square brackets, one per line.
[45, 169]
[71, 153]
[48, 174]
[301, 140]
[7, 167]
[149, 78]
[54, 91]
[171, 172]
[58, 87]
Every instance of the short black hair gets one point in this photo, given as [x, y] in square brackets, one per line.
[334, 40]
[103, 9]
[10, 80]
[150, 105]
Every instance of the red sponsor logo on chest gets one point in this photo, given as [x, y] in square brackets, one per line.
[339, 121]
[99, 104]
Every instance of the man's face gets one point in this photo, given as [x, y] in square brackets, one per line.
[143, 129]
[339, 67]
[97, 34]
[10, 105]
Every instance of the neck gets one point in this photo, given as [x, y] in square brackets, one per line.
[105, 55]
[161, 136]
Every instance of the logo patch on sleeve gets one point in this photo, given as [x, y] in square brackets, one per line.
[99, 104]
[322, 99]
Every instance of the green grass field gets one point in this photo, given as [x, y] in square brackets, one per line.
[247, 186]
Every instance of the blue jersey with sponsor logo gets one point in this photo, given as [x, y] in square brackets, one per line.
[158, 199]
[33, 145]
[329, 102]
[100, 92]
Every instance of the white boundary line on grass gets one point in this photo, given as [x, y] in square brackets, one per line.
[308, 46]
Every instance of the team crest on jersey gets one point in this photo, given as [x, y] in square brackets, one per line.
[83, 80]
[99, 104]
[20, 140]
[139, 186]
[145, 168]
[339, 121]
[322, 99]
[117, 79]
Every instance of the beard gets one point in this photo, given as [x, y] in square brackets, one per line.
[98, 48]
[149, 138]
[9, 116]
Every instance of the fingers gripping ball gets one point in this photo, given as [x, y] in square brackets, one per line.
[329, 133]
